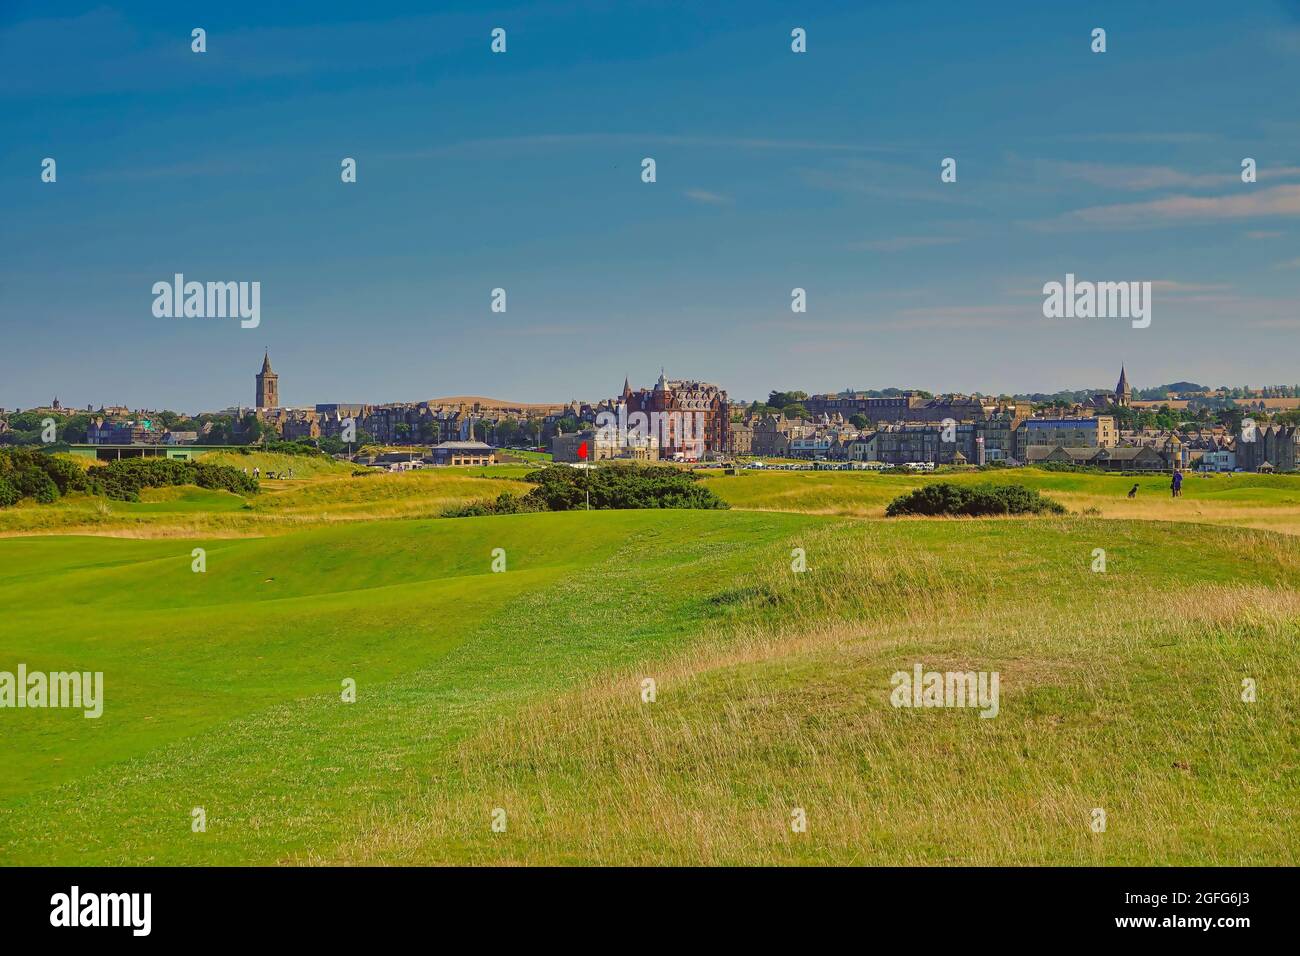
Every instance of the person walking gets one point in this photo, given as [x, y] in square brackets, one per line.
[1133, 492]
[1177, 484]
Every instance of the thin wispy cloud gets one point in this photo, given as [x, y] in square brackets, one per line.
[1249, 204]
[891, 181]
[1139, 178]
[571, 140]
[904, 243]
[1175, 287]
[707, 198]
[1138, 137]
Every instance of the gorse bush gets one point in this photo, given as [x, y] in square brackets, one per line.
[944, 498]
[302, 449]
[506, 504]
[619, 486]
[124, 479]
[1067, 467]
[9, 493]
[611, 487]
[29, 473]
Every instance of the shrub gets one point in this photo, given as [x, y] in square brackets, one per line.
[34, 474]
[506, 504]
[33, 482]
[68, 475]
[618, 486]
[300, 448]
[944, 498]
[9, 493]
[1065, 466]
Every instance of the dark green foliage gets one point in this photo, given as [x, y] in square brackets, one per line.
[67, 475]
[301, 448]
[124, 479]
[1065, 466]
[506, 504]
[9, 493]
[34, 483]
[618, 486]
[29, 473]
[944, 498]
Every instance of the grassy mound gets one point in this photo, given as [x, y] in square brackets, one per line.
[304, 466]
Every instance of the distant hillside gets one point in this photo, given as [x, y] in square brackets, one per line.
[483, 402]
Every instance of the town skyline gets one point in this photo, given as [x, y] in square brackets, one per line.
[1178, 425]
[75, 406]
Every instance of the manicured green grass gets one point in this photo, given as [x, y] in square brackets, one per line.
[1243, 500]
[522, 690]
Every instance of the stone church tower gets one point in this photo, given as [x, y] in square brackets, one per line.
[268, 386]
[1123, 393]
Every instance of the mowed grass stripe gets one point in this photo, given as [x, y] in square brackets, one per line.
[217, 664]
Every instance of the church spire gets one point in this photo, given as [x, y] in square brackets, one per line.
[266, 362]
[1123, 393]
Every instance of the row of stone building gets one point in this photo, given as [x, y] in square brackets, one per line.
[690, 420]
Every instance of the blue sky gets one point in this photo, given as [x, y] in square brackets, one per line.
[522, 171]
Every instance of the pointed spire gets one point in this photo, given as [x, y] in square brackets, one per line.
[266, 362]
[1123, 381]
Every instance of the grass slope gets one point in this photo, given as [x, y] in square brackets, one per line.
[521, 690]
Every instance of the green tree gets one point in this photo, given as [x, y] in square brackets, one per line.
[782, 399]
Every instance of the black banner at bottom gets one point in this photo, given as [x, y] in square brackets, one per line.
[366, 905]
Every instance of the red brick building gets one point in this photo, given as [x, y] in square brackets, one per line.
[692, 420]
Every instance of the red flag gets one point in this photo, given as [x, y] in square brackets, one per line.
[582, 451]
